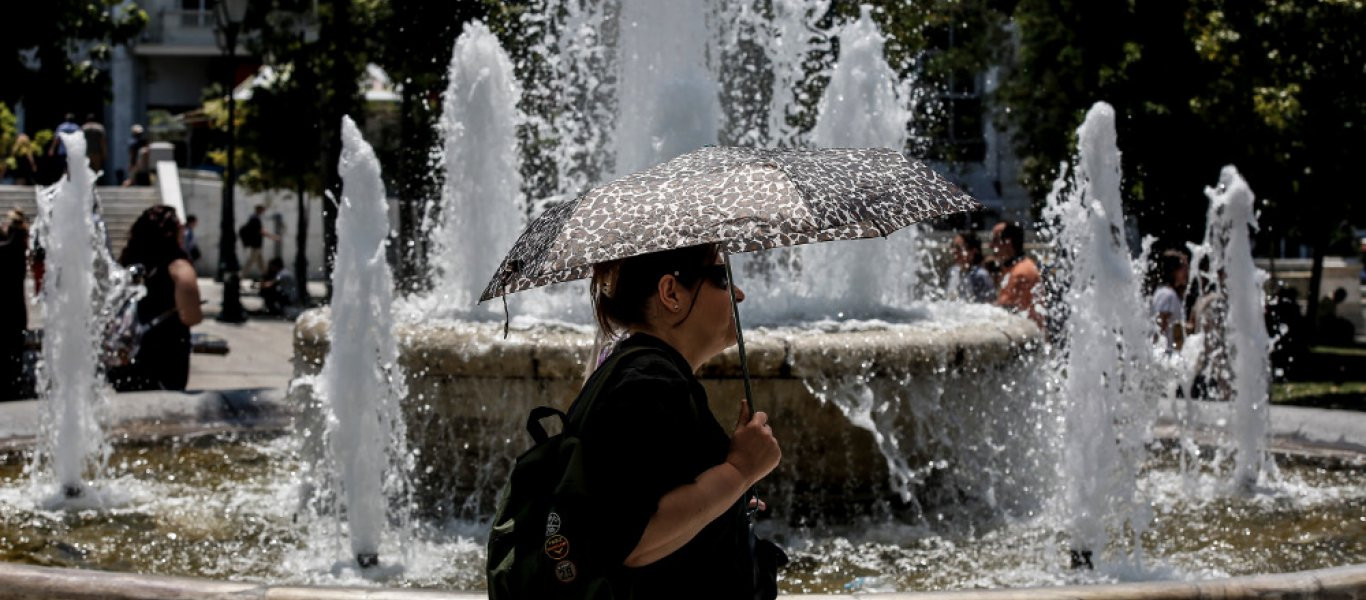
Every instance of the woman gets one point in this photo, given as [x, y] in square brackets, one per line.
[672, 483]
[1166, 306]
[171, 305]
[13, 303]
[974, 283]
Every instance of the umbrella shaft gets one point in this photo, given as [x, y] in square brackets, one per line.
[739, 334]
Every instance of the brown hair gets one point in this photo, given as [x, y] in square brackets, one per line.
[620, 289]
[154, 239]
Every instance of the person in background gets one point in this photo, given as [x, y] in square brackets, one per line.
[139, 159]
[252, 234]
[1019, 273]
[170, 307]
[24, 171]
[191, 242]
[280, 289]
[1166, 305]
[13, 303]
[68, 125]
[96, 146]
[974, 283]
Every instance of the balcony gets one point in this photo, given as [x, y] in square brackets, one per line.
[180, 33]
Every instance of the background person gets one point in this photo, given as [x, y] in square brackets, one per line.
[139, 159]
[191, 242]
[672, 520]
[1166, 305]
[172, 302]
[974, 283]
[96, 146]
[1019, 274]
[68, 125]
[280, 289]
[13, 302]
[253, 234]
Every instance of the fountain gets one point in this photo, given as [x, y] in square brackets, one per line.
[76, 301]
[362, 383]
[1228, 244]
[928, 445]
[1105, 357]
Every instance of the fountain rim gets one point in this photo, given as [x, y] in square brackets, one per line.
[23, 581]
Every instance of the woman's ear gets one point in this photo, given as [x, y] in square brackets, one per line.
[669, 294]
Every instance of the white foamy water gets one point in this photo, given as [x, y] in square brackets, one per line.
[1105, 357]
[480, 212]
[70, 376]
[361, 383]
[1228, 244]
[667, 99]
[863, 106]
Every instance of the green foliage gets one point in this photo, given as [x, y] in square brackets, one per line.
[1286, 91]
[1271, 86]
[9, 130]
[56, 47]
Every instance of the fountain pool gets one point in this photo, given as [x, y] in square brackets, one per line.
[180, 519]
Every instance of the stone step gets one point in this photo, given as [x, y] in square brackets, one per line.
[119, 207]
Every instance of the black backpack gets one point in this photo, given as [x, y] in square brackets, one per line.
[250, 233]
[536, 546]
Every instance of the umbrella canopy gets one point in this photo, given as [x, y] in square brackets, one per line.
[745, 199]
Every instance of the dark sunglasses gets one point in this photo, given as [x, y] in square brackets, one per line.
[717, 275]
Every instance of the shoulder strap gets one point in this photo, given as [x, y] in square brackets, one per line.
[584, 403]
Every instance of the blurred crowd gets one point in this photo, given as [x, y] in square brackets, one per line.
[40, 159]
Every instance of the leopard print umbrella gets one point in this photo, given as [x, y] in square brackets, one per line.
[745, 199]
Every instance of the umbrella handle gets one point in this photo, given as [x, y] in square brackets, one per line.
[739, 333]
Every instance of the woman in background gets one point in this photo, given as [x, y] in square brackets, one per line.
[973, 282]
[170, 307]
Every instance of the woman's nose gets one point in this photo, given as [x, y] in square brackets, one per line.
[739, 294]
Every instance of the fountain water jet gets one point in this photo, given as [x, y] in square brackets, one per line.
[1105, 356]
[668, 102]
[361, 382]
[1238, 282]
[479, 124]
[75, 306]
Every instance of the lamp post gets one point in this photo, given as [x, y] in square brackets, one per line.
[230, 15]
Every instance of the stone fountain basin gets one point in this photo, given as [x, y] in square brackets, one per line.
[469, 391]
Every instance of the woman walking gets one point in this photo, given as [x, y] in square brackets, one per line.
[670, 482]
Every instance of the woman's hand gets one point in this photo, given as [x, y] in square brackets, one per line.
[754, 452]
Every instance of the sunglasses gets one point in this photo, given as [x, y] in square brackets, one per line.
[716, 274]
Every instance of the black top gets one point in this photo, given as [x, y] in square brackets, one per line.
[13, 267]
[650, 431]
[163, 359]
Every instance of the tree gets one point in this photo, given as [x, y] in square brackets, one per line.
[1197, 84]
[53, 54]
[1286, 96]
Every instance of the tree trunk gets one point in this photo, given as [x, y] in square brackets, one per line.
[1311, 319]
[301, 244]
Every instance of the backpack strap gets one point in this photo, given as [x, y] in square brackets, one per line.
[533, 422]
[584, 403]
[581, 404]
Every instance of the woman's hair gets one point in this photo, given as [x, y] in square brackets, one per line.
[972, 244]
[1164, 272]
[154, 238]
[621, 289]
